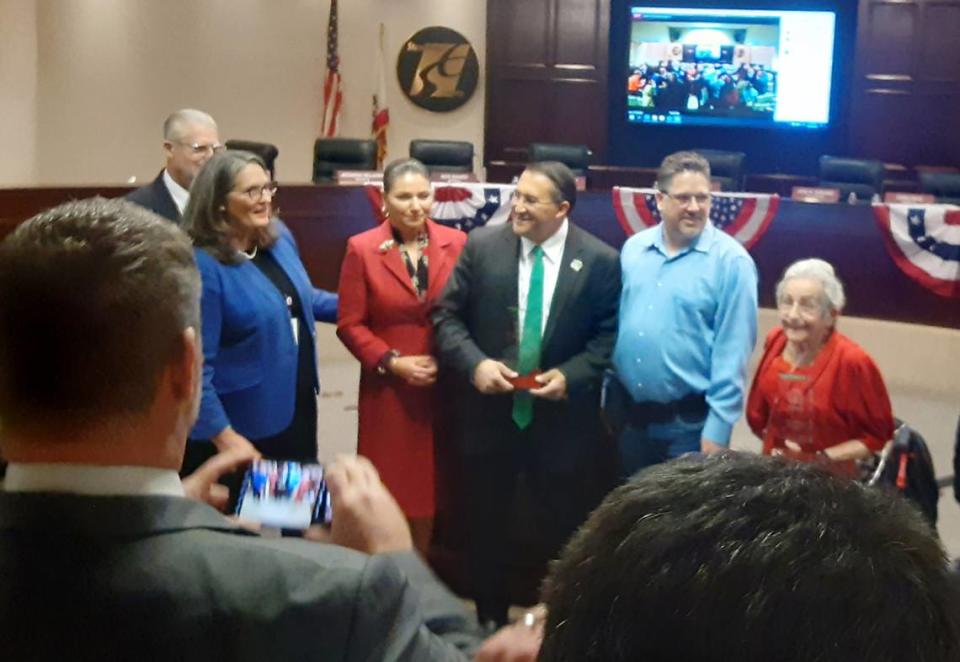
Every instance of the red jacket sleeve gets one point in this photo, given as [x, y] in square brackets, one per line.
[353, 312]
[869, 404]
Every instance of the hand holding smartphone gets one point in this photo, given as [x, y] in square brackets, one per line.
[284, 494]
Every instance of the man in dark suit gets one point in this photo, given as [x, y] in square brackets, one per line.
[190, 138]
[535, 299]
[101, 555]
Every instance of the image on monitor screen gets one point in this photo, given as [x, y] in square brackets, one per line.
[729, 67]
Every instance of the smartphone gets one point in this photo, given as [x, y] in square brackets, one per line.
[284, 494]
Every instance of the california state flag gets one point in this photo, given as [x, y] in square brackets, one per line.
[381, 114]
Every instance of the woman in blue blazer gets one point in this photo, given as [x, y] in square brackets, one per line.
[257, 317]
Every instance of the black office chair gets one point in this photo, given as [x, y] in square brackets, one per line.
[575, 157]
[443, 155]
[945, 186]
[265, 151]
[862, 177]
[332, 154]
[726, 168]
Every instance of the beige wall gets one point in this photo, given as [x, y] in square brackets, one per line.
[18, 92]
[109, 71]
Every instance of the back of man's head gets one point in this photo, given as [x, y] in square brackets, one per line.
[94, 298]
[747, 558]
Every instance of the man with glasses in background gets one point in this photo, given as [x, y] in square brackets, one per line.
[688, 323]
[527, 321]
[190, 138]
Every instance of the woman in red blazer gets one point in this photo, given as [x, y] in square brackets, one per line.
[391, 276]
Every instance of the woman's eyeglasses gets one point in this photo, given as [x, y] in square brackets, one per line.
[256, 193]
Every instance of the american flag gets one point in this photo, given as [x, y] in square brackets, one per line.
[332, 94]
[924, 241]
[381, 114]
[744, 216]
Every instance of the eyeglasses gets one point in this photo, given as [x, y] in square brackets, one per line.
[684, 199]
[199, 148]
[529, 200]
[806, 307]
[255, 193]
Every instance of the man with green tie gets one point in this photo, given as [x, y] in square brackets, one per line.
[527, 321]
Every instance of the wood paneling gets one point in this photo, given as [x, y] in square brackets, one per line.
[530, 19]
[577, 26]
[546, 75]
[907, 86]
[890, 30]
[940, 44]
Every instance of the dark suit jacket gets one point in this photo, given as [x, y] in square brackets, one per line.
[165, 578]
[476, 318]
[155, 197]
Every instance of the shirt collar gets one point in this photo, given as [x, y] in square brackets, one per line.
[179, 194]
[92, 480]
[702, 243]
[552, 247]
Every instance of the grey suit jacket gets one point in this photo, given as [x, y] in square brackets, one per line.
[476, 318]
[165, 578]
[155, 197]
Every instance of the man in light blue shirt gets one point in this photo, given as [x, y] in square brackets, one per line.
[688, 323]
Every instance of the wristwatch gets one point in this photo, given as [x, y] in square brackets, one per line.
[383, 364]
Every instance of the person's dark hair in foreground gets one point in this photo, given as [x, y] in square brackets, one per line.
[744, 558]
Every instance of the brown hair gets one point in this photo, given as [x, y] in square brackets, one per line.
[679, 162]
[94, 297]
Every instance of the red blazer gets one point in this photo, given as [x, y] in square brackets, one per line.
[379, 311]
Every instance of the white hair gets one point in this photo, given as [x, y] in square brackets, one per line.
[175, 126]
[822, 272]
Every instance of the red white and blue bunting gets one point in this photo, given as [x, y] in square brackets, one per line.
[744, 216]
[461, 206]
[924, 241]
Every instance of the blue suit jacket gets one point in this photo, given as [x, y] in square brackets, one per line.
[249, 354]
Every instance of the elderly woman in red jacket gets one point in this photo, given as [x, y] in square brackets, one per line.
[817, 395]
[391, 276]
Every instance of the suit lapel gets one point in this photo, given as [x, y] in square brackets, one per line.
[508, 253]
[390, 257]
[567, 279]
[165, 200]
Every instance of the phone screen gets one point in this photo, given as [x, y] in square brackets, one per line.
[284, 494]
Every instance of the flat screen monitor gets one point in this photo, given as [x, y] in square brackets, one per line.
[730, 67]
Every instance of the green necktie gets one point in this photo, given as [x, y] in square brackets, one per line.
[528, 357]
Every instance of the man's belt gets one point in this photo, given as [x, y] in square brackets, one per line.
[691, 407]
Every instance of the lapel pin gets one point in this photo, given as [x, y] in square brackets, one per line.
[576, 265]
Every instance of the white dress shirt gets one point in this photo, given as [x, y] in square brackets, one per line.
[180, 195]
[552, 255]
[92, 480]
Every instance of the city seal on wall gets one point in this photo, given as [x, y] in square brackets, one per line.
[438, 69]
